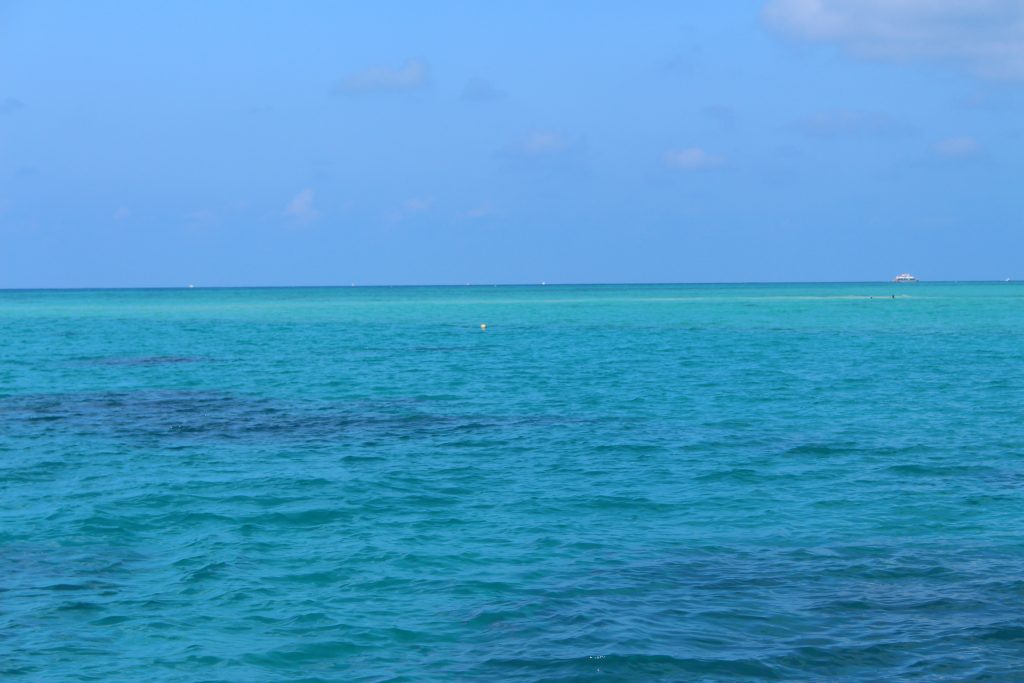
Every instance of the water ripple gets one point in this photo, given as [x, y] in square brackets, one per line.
[679, 483]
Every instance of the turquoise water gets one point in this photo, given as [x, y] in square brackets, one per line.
[621, 483]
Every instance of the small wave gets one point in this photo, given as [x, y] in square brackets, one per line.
[144, 360]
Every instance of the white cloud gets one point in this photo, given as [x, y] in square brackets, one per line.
[722, 114]
[122, 213]
[200, 219]
[849, 123]
[301, 207]
[9, 105]
[482, 211]
[958, 148]
[412, 75]
[540, 143]
[418, 205]
[692, 159]
[985, 35]
[410, 207]
[479, 90]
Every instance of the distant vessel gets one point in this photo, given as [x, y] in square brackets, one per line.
[904, 277]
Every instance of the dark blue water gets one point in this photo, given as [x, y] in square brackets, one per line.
[678, 483]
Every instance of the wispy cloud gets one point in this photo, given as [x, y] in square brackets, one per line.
[540, 143]
[848, 123]
[480, 90]
[410, 207]
[991, 99]
[693, 159]
[411, 75]
[301, 208]
[723, 115]
[985, 35]
[200, 219]
[683, 62]
[9, 105]
[481, 211]
[958, 148]
[419, 205]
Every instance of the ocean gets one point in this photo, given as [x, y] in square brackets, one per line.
[793, 482]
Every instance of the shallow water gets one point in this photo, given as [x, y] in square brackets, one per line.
[701, 483]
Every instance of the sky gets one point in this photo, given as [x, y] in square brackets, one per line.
[328, 143]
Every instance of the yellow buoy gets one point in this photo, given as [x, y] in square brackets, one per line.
[483, 326]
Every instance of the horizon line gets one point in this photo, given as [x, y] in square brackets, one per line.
[503, 284]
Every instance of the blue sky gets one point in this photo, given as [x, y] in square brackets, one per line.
[258, 143]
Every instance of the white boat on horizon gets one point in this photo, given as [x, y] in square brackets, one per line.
[904, 277]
